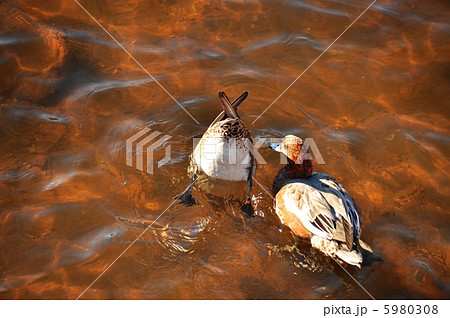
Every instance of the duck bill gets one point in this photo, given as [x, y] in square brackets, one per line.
[275, 147]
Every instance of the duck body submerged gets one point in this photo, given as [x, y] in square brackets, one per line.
[224, 152]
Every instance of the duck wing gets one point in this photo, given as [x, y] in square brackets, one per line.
[334, 192]
[324, 208]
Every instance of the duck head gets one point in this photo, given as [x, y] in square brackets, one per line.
[299, 162]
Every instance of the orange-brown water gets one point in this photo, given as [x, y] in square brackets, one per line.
[376, 104]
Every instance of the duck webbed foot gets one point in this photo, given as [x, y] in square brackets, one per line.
[186, 197]
[247, 208]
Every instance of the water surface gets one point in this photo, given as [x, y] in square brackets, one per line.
[376, 104]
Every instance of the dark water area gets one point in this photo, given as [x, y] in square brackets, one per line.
[376, 104]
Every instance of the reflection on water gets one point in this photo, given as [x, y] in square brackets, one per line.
[376, 105]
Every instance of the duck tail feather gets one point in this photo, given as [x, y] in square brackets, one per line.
[230, 112]
[353, 257]
[365, 246]
[239, 100]
[368, 256]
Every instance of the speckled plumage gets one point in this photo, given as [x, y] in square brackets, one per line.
[228, 128]
[216, 143]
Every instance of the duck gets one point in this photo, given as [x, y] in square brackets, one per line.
[224, 152]
[315, 206]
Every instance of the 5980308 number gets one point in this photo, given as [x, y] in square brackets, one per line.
[410, 309]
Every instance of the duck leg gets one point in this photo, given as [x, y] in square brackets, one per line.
[247, 208]
[186, 197]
